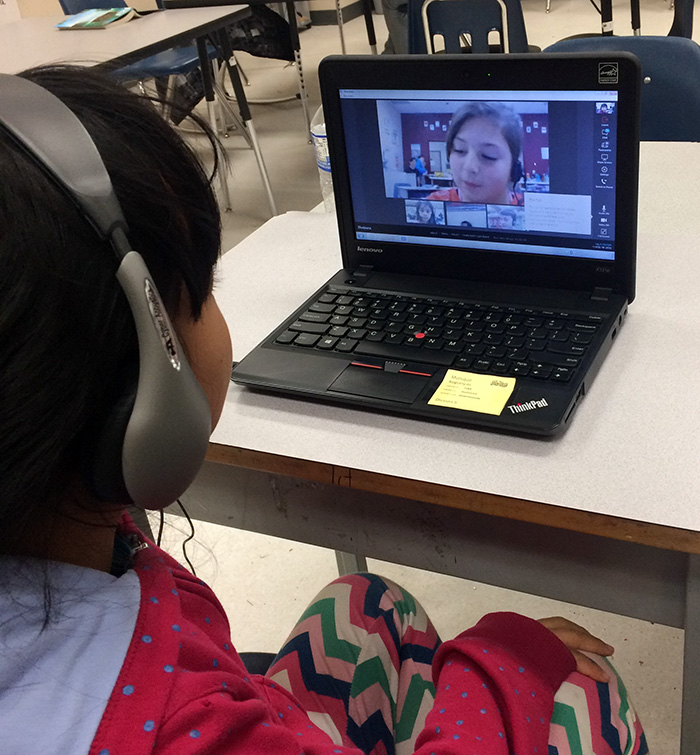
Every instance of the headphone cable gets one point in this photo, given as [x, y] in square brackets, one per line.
[161, 523]
[188, 538]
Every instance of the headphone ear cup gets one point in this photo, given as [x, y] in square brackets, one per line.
[516, 172]
[102, 447]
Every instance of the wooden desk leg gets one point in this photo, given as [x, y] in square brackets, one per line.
[690, 721]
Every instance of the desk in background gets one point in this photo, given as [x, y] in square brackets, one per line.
[36, 41]
[607, 516]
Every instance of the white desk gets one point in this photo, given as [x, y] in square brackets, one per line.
[35, 41]
[606, 516]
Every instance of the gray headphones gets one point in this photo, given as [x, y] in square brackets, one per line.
[153, 444]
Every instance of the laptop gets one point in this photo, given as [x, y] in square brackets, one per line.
[487, 212]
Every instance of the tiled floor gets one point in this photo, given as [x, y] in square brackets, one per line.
[264, 583]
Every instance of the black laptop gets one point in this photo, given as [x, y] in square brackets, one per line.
[487, 209]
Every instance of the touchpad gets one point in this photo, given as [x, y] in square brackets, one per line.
[376, 383]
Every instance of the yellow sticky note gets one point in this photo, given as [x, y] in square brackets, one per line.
[473, 392]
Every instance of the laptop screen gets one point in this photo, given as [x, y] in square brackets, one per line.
[529, 172]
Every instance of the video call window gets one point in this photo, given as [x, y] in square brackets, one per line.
[478, 152]
[535, 169]
[484, 154]
[425, 212]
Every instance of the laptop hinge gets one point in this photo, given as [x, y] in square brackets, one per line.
[601, 294]
[362, 273]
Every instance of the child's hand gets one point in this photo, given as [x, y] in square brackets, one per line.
[577, 638]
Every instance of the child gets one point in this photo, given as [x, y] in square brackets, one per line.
[111, 642]
[484, 142]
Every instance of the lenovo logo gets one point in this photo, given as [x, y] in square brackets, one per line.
[369, 249]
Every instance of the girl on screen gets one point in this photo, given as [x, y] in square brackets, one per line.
[425, 213]
[484, 142]
[117, 647]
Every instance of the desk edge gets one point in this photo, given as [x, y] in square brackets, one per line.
[561, 517]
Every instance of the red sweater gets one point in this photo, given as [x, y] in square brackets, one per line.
[183, 688]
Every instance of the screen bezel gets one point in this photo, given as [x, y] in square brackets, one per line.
[574, 71]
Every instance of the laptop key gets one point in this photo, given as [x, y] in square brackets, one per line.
[320, 307]
[520, 368]
[542, 371]
[346, 345]
[314, 317]
[306, 339]
[562, 374]
[399, 351]
[572, 349]
[375, 335]
[463, 363]
[338, 331]
[310, 327]
[558, 360]
[327, 342]
[286, 337]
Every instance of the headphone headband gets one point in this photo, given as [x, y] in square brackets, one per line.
[153, 445]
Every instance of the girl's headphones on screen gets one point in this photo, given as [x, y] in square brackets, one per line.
[154, 441]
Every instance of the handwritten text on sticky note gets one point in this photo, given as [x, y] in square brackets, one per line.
[472, 392]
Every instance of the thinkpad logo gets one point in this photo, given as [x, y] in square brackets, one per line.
[528, 406]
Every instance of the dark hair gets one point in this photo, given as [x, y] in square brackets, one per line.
[425, 203]
[67, 338]
[505, 118]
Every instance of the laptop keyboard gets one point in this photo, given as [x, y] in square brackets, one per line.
[478, 337]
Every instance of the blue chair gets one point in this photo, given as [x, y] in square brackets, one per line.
[671, 81]
[455, 19]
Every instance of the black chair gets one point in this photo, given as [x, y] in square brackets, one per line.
[257, 663]
[465, 26]
[671, 81]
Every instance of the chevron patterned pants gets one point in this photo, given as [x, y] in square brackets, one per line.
[359, 661]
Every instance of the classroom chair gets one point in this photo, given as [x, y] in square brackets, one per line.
[467, 26]
[670, 81]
